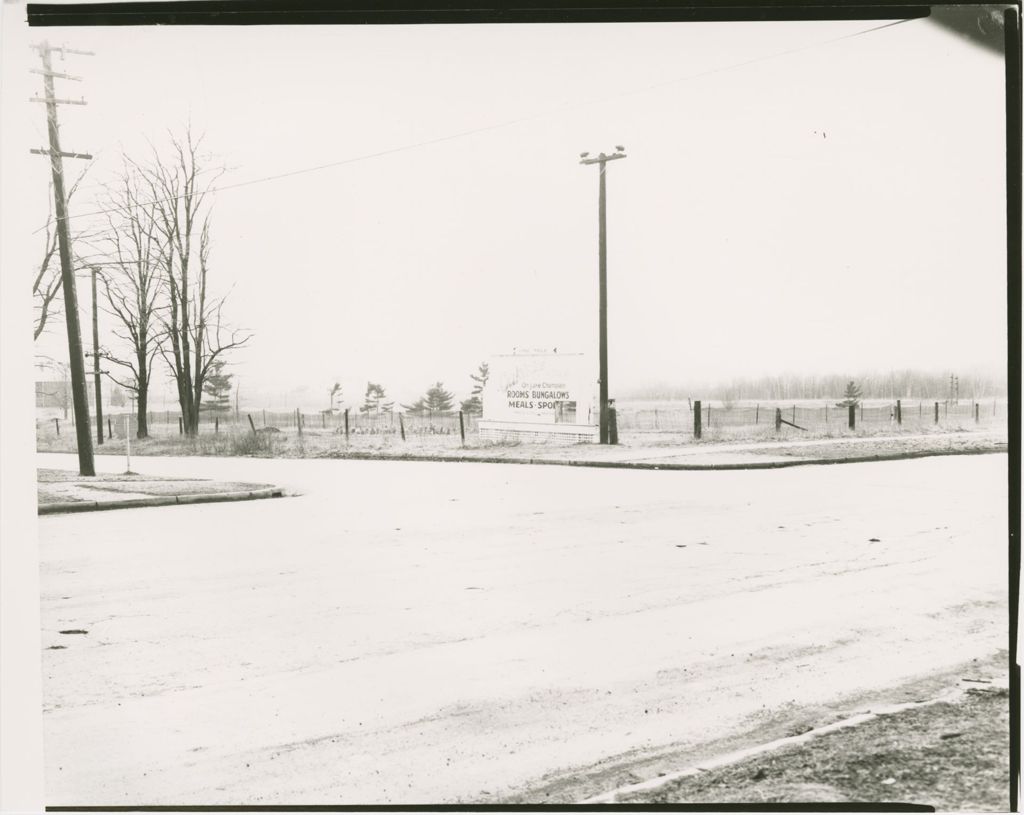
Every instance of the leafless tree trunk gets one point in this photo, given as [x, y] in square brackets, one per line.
[134, 285]
[193, 334]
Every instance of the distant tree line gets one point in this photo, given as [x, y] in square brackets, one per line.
[906, 384]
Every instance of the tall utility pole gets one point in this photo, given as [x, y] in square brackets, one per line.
[602, 306]
[79, 394]
[96, 361]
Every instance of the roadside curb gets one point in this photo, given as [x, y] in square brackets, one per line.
[645, 465]
[157, 501]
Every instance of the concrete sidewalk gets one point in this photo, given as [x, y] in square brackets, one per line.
[64, 491]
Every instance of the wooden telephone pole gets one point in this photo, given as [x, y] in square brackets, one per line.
[602, 250]
[79, 394]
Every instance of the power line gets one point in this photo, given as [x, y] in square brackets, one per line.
[500, 125]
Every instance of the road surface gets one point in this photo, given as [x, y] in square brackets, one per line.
[413, 632]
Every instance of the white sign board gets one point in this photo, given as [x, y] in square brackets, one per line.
[541, 388]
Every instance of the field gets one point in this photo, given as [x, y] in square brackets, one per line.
[640, 424]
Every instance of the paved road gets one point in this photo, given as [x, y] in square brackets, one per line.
[431, 632]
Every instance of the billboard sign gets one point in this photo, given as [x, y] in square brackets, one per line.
[541, 388]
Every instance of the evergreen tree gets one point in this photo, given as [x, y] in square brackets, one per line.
[335, 393]
[375, 400]
[475, 403]
[217, 387]
[436, 400]
[851, 398]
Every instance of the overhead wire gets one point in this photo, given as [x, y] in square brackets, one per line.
[508, 123]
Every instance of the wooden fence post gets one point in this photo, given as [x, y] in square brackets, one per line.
[346, 425]
[110, 429]
[696, 419]
[757, 413]
[252, 424]
[976, 416]
[181, 425]
[899, 412]
[852, 418]
[298, 421]
[56, 423]
[462, 429]
[793, 419]
[778, 420]
[401, 425]
[216, 424]
[936, 413]
[613, 425]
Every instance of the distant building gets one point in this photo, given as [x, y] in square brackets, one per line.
[57, 394]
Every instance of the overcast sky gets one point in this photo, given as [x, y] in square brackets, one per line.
[792, 201]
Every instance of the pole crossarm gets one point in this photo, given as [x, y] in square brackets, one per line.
[54, 74]
[62, 153]
[45, 47]
[601, 159]
[57, 101]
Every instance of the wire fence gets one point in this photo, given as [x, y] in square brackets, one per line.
[384, 423]
[825, 417]
[674, 420]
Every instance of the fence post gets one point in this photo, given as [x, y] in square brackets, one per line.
[462, 429]
[298, 421]
[56, 423]
[778, 420]
[181, 425]
[216, 424]
[110, 429]
[757, 413]
[696, 419]
[613, 425]
[852, 418]
[976, 417]
[899, 412]
[346, 425]
[401, 425]
[936, 413]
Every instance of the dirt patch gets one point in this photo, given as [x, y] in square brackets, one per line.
[949, 755]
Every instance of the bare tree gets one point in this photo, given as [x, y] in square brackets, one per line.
[133, 283]
[194, 334]
[46, 279]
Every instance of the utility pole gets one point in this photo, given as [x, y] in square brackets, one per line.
[79, 394]
[602, 250]
[96, 361]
